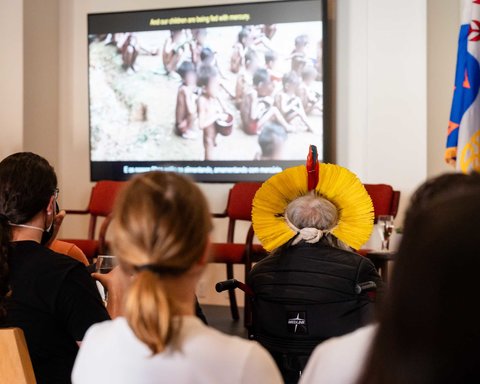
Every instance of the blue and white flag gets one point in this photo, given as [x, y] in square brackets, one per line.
[463, 139]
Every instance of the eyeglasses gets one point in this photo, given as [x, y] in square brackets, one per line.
[55, 196]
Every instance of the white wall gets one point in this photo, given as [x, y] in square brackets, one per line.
[381, 91]
[11, 77]
[40, 71]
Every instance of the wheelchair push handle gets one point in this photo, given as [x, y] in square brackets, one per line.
[226, 285]
[232, 284]
[366, 286]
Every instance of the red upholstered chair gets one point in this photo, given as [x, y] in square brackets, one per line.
[239, 208]
[100, 205]
[385, 202]
[385, 199]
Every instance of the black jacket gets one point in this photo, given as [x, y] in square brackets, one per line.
[305, 294]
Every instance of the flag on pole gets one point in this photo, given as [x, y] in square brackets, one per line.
[463, 137]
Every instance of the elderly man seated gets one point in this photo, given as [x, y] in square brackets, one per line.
[313, 285]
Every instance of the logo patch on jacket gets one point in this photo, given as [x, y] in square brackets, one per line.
[297, 323]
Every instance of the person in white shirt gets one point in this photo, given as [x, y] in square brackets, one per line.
[161, 238]
[428, 327]
[340, 360]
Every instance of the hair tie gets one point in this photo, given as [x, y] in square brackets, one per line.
[160, 270]
[309, 235]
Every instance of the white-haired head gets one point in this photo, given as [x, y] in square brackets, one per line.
[313, 218]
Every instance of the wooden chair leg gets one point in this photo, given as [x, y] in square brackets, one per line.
[231, 295]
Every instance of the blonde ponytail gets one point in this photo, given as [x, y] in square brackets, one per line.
[148, 310]
[161, 229]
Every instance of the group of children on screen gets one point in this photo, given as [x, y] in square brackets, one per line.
[270, 104]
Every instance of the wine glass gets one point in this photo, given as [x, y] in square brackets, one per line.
[385, 229]
[104, 264]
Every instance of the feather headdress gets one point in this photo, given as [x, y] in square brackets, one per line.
[333, 182]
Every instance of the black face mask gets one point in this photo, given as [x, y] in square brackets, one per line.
[48, 233]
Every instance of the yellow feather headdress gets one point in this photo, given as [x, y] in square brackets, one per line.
[333, 182]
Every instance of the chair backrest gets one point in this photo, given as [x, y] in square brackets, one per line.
[101, 202]
[385, 199]
[15, 364]
[239, 206]
[103, 197]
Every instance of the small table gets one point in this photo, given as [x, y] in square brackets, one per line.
[381, 260]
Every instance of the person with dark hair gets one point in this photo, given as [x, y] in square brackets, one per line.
[257, 106]
[442, 187]
[270, 62]
[245, 40]
[197, 44]
[244, 82]
[272, 140]
[130, 49]
[427, 330]
[311, 98]
[299, 55]
[51, 297]
[289, 104]
[301, 42]
[173, 50]
[186, 122]
[129, 52]
[208, 57]
[269, 30]
[270, 58]
[210, 108]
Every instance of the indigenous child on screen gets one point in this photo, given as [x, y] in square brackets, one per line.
[210, 108]
[186, 117]
[258, 105]
[289, 104]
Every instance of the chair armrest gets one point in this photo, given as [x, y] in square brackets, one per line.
[77, 212]
[248, 248]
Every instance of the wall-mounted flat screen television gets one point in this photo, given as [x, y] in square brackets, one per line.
[222, 93]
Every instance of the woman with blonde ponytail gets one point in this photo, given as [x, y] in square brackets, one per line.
[161, 236]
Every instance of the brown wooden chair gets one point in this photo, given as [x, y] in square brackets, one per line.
[239, 208]
[101, 203]
[15, 364]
